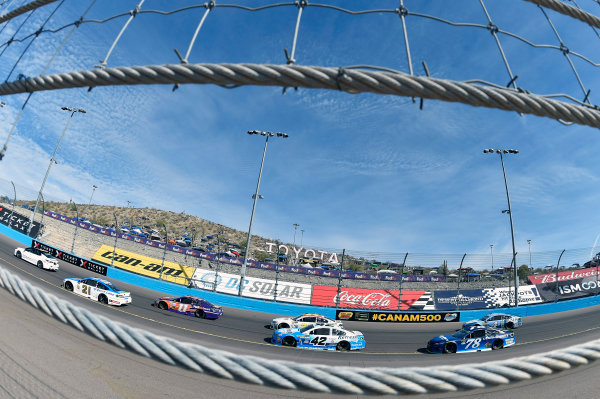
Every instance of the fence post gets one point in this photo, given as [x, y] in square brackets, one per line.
[218, 267]
[339, 287]
[458, 282]
[162, 266]
[76, 225]
[557, 265]
[14, 203]
[112, 260]
[276, 272]
[401, 278]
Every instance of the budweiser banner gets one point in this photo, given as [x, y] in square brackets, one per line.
[397, 317]
[569, 289]
[563, 276]
[355, 298]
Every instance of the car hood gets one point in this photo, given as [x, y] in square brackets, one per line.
[165, 298]
[281, 319]
[284, 331]
[444, 338]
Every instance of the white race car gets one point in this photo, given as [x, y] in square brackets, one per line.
[304, 320]
[97, 289]
[38, 258]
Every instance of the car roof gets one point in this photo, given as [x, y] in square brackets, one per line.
[312, 314]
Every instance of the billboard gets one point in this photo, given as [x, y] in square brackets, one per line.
[563, 276]
[397, 317]
[144, 265]
[258, 288]
[69, 258]
[18, 222]
[357, 298]
[570, 289]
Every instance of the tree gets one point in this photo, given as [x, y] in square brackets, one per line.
[523, 272]
[443, 269]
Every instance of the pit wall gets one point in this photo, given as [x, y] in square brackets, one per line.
[295, 309]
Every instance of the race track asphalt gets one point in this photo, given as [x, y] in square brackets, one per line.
[245, 332]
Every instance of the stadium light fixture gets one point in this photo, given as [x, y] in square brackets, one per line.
[509, 212]
[255, 197]
[52, 160]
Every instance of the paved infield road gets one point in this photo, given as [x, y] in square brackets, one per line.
[41, 357]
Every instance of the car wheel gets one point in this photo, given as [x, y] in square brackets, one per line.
[343, 346]
[283, 325]
[288, 341]
[162, 306]
[510, 325]
[450, 347]
[498, 344]
[40, 265]
[18, 255]
[200, 314]
[68, 286]
[102, 298]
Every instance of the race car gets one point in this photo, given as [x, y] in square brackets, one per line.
[319, 337]
[499, 320]
[190, 305]
[38, 258]
[472, 339]
[304, 320]
[97, 289]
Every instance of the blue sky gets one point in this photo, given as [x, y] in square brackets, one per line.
[369, 173]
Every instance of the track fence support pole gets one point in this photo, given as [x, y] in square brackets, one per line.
[557, 266]
[276, 272]
[339, 287]
[76, 225]
[112, 260]
[12, 211]
[401, 278]
[162, 265]
[458, 283]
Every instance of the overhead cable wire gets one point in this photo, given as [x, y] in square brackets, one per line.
[348, 80]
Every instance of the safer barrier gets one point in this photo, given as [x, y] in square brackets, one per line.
[297, 375]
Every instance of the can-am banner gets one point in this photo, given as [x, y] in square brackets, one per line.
[563, 276]
[397, 317]
[18, 222]
[569, 289]
[487, 298]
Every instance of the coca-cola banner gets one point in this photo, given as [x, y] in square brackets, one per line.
[397, 317]
[569, 289]
[354, 298]
[563, 276]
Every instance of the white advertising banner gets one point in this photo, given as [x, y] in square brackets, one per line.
[502, 297]
[259, 288]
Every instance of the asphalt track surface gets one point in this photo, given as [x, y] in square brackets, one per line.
[243, 332]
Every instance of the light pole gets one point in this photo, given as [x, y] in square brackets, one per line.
[256, 196]
[295, 229]
[94, 187]
[509, 211]
[301, 237]
[72, 111]
[492, 253]
[529, 243]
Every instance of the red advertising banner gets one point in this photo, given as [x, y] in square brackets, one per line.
[354, 298]
[562, 276]
[362, 298]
